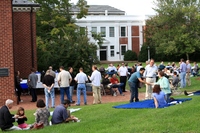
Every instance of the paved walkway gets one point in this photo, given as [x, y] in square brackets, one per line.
[105, 99]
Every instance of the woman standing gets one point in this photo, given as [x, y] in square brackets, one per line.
[17, 86]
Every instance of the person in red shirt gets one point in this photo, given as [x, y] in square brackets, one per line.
[116, 84]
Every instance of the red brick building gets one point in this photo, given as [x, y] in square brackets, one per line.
[17, 43]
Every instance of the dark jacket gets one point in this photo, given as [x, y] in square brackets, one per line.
[73, 83]
[48, 80]
[6, 119]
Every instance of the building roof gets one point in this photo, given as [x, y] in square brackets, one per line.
[102, 8]
[24, 3]
[94, 9]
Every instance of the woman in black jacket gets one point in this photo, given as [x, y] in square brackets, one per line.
[17, 86]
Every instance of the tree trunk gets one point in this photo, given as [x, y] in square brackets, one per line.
[187, 55]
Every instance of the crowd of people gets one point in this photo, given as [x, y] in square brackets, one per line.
[114, 78]
[159, 81]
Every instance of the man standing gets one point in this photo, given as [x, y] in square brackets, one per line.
[96, 83]
[48, 83]
[72, 84]
[150, 75]
[122, 72]
[6, 118]
[183, 69]
[81, 79]
[133, 82]
[64, 79]
[189, 69]
[61, 114]
[32, 83]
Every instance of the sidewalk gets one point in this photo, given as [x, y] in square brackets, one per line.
[27, 105]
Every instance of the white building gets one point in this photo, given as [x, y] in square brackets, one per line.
[121, 32]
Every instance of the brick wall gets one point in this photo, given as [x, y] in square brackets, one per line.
[6, 51]
[136, 45]
[135, 31]
[22, 42]
[135, 39]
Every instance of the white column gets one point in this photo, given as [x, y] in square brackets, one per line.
[129, 47]
[141, 35]
[117, 45]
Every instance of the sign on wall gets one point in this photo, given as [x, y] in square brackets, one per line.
[4, 72]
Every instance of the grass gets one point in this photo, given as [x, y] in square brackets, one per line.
[181, 118]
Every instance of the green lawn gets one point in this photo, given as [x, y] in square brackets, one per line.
[181, 118]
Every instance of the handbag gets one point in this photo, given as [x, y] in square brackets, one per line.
[38, 125]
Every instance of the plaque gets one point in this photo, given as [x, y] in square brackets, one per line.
[4, 72]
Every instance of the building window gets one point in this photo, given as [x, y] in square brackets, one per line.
[123, 32]
[83, 30]
[112, 51]
[103, 31]
[112, 31]
[123, 50]
[94, 31]
[103, 47]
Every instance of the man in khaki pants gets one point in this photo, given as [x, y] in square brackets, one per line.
[150, 75]
[188, 73]
[96, 83]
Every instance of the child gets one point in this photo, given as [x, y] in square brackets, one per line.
[22, 118]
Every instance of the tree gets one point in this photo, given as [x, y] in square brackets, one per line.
[130, 56]
[175, 28]
[143, 55]
[60, 41]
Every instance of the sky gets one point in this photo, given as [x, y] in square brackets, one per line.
[131, 7]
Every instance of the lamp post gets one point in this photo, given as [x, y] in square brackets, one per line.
[148, 53]
[91, 62]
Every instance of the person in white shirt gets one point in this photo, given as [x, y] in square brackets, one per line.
[150, 75]
[96, 83]
[122, 72]
[111, 69]
[64, 80]
[81, 79]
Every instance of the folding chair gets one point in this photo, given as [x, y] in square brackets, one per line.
[176, 88]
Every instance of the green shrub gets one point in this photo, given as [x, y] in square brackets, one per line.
[130, 56]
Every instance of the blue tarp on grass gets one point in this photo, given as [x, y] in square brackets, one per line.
[146, 104]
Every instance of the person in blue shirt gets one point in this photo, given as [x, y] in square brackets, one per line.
[159, 97]
[133, 82]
